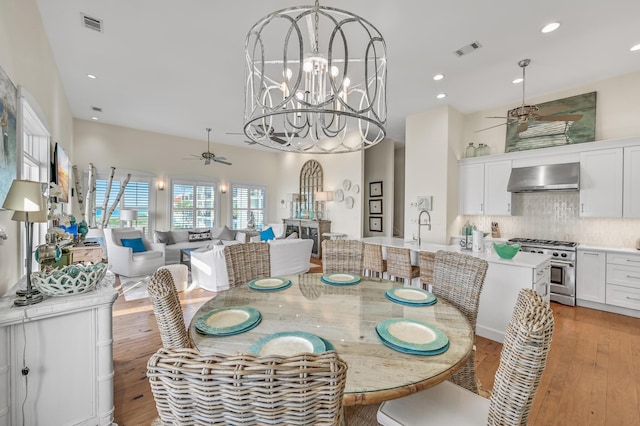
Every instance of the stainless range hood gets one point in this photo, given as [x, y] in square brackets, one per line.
[552, 177]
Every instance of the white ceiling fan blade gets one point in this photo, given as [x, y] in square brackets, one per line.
[217, 160]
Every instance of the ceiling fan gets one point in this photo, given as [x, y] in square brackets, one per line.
[209, 156]
[263, 130]
[526, 113]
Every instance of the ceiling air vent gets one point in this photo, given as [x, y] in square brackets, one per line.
[92, 23]
[465, 50]
[96, 109]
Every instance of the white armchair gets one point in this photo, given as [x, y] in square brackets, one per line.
[124, 261]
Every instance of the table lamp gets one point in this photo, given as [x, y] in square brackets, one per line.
[128, 216]
[322, 197]
[25, 198]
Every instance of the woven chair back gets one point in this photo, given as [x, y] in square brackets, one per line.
[342, 256]
[399, 263]
[427, 263]
[246, 262]
[522, 361]
[196, 389]
[373, 261]
[167, 310]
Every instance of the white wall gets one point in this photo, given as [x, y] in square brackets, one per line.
[399, 178]
[164, 157]
[336, 168]
[26, 57]
[379, 166]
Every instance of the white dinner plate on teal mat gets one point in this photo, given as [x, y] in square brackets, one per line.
[341, 278]
[269, 284]
[411, 296]
[412, 334]
[228, 321]
[412, 352]
[287, 343]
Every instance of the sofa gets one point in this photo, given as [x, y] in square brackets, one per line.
[177, 239]
[128, 258]
[287, 257]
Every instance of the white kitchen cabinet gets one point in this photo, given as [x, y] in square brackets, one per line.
[631, 186]
[601, 183]
[471, 189]
[66, 344]
[482, 188]
[497, 200]
[590, 275]
[500, 292]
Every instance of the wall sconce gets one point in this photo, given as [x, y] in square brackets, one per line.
[223, 188]
[161, 185]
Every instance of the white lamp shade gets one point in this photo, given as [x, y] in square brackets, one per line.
[24, 196]
[39, 216]
[127, 215]
[324, 196]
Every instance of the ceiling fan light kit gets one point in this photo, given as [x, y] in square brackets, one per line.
[324, 90]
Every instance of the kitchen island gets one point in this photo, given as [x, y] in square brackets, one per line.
[505, 278]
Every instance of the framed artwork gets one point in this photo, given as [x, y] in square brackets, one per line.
[543, 134]
[8, 140]
[62, 168]
[375, 206]
[375, 223]
[375, 189]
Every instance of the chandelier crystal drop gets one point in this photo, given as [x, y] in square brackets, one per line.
[322, 88]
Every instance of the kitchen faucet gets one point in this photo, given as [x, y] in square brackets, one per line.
[420, 224]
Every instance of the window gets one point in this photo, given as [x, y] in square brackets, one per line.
[247, 199]
[136, 197]
[193, 205]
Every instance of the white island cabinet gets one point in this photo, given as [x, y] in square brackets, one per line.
[505, 278]
[65, 347]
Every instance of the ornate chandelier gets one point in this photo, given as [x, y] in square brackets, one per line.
[322, 90]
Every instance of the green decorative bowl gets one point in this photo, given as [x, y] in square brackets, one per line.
[506, 251]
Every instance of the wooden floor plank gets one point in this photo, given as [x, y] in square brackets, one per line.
[592, 373]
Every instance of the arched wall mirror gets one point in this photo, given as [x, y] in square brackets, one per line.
[311, 181]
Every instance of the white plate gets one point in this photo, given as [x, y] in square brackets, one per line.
[356, 189]
[227, 318]
[338, 195]
[288, 343]
[349, 201]
[410, 332]
[346, 184]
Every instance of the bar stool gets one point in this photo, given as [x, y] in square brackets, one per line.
[373, 261]
[427, 262]
[399, 264]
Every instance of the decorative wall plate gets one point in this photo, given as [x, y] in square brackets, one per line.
[338, 195]
[349, 201]
[356, 189]
[346, 184]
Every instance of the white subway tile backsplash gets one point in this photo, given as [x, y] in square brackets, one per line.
[555, 216]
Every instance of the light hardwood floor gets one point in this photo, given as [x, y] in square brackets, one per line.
[592, 375]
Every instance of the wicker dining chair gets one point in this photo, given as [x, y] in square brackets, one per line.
[399, 264]
[342, 256]
[167, 310]
[197, 389]
[458, 278]
[427, 262]
[246, 262]
[373, 261]
[522, 362]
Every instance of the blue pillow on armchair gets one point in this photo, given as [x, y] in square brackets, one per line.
[267, 234]
[134, 244]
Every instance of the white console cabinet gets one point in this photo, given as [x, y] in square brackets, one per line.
[65, 347]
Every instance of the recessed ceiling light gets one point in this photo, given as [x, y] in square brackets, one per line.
[550, 27]
[635, 48]
[91, 76]
[94, 118]
[438, 77]
[518, 80]
[441, 95]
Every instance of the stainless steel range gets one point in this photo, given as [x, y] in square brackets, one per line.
[563, 266]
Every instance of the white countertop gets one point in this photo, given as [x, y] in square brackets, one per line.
[522, 259]
[626, 250]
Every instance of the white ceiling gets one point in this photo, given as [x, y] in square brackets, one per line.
[177, 67]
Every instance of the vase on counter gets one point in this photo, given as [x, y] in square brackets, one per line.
[470, 151]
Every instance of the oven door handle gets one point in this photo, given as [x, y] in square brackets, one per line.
[560, 263]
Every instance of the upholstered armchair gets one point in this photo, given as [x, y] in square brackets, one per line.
[130, 253]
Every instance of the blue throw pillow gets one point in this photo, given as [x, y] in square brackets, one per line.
[267, 234]
[135, 244]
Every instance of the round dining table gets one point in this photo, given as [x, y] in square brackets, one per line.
[346, 316]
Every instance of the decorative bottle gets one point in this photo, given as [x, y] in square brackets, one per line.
[470, 151]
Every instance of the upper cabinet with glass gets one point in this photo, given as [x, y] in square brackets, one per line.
[311, 181]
